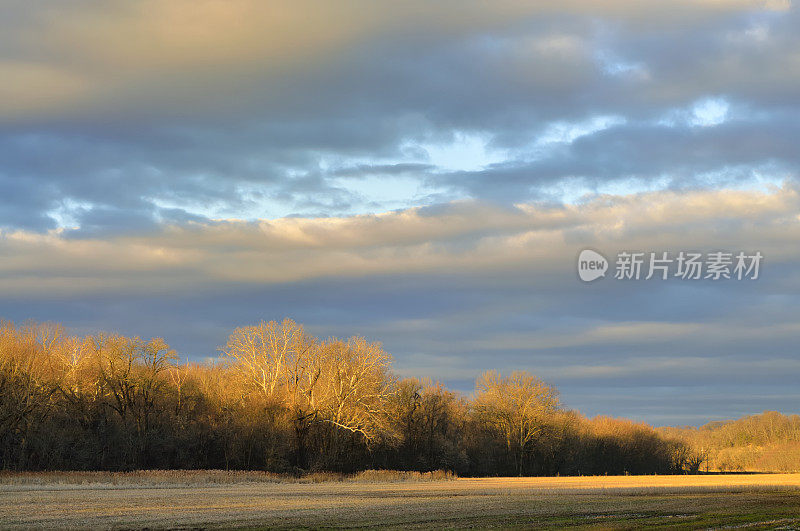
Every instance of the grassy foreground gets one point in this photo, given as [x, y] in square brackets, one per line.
[253, 500]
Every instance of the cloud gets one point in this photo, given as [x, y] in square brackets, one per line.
[423, 173]
[465, 236]
[456, 289]
[243, 109]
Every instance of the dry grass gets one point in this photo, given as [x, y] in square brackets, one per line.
[150, 478]
[254, 499]
[372, 476]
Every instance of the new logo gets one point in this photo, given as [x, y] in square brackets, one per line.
[591, 265]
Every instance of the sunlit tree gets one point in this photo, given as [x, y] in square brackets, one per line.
[515, 407]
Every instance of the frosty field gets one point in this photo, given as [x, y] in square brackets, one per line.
[252, 500]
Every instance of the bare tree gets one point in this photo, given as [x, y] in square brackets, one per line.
[270, 354]
[280, 362]
[514, 407]
[355, 386]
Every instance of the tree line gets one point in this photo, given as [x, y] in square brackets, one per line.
[769, 442]
[281, 400]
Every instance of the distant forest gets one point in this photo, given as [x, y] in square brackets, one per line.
[282, 400]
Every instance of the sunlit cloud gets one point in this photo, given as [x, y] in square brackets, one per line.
[469, 237]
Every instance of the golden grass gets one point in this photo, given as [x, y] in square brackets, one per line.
[146, 478]
[251, 499]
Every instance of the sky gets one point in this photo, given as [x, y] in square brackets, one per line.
[424, 174]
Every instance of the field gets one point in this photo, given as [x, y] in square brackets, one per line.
[252, 500]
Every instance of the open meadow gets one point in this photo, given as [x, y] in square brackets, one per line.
[251, 500]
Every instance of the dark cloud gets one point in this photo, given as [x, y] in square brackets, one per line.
[728, 154]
